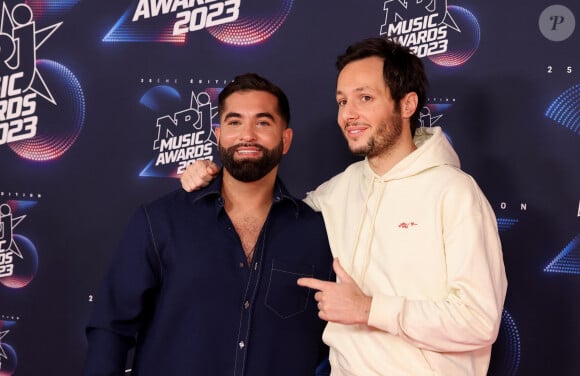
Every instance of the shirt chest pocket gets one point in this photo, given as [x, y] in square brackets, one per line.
[284, 297]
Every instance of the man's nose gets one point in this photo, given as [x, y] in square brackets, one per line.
[348, 112]
[248, 132]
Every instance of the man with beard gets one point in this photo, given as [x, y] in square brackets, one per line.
[204, 283]
[421, 281]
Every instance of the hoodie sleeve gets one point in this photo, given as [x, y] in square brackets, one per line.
[313, 198]
[469, 316]
[311, 201]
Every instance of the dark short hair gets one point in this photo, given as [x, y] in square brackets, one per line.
[403, 71]
[252, 81]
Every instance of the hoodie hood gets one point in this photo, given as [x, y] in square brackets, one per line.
[433, 149]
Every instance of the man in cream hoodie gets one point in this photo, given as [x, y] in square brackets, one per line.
[420, 275]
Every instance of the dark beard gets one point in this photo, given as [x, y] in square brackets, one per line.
[248, 170]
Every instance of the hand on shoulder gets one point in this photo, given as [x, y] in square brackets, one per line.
[198, 175]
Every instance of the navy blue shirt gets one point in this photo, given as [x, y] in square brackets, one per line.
[181, 292]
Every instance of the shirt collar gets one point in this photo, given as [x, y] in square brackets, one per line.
[213, 191]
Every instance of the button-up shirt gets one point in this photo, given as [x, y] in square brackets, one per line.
[181, 292]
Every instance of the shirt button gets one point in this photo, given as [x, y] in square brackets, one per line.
[246, 304]
[241, 344]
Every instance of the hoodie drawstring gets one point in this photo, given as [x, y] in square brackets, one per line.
[367, 255]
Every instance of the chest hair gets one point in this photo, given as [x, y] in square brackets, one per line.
[248, 227]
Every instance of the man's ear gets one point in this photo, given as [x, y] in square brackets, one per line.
[287, 135]
[409, 104]
[217, 134]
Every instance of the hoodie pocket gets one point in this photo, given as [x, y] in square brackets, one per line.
[284, 297]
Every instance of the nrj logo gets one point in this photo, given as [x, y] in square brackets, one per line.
[447, 35]
[183, 136]
[26, 101]
[20, 81]
[18, 256]
[232, 22]
[8, 358]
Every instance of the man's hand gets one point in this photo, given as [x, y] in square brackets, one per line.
[342, 302]
[198, 175]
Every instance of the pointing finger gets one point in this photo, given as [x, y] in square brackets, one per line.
[312, 283]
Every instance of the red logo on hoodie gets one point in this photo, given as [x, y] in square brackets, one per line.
[408, 224]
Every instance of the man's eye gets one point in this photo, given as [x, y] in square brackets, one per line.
[341, 102]
[366, 98]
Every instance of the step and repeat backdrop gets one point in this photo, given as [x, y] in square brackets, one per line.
[103, 104]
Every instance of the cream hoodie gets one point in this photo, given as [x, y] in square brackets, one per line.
[422, 240]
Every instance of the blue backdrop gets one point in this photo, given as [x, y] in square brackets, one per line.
[104, 103]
